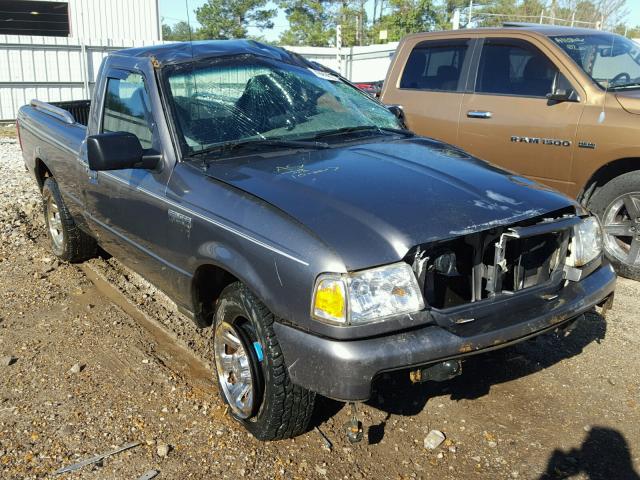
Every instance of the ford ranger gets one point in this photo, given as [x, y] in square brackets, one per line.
[323, 242]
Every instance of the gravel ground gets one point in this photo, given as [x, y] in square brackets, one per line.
[92, 358]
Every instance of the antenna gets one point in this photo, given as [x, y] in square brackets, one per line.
[603, 115]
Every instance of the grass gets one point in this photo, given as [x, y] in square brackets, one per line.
[8, 130]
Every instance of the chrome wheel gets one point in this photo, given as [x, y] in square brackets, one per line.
[621, 224]
[54, 221]
[234, 369]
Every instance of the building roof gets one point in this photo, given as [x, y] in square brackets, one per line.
[188, 51]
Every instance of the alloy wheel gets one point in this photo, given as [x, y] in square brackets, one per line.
[233, 364]
[54, 221]
[621, 224]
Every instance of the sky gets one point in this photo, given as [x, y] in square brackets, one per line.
[176, 10]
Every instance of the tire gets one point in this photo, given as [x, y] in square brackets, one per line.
[279, 409]
[68, 242]
[617, 205]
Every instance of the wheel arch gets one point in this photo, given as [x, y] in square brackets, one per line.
[42, 172]
[605, 174]
[208, 282]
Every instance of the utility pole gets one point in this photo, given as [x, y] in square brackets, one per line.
[470, 16]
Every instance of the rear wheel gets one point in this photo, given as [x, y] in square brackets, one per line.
[250, 369]
[68, 242]
[617, 204]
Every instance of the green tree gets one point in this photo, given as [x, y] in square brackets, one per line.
[353, 18]
[310, 23]
[630, 32]
[610, 12]
[500, 11]
[231, 18]
[408, 16]
[180, 32]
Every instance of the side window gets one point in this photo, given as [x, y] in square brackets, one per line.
[127, 108]
[435, 65]
[514, 67]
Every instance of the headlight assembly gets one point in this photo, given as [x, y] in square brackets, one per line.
[366, 296]
[586, 244]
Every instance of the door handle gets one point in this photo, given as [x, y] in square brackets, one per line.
[478, 114]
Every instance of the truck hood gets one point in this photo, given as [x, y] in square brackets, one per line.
[630, 101]
[372, 202]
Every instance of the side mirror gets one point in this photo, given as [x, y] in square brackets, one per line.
[398, 112]
[119, 151]
[563, 95]
[562, 91]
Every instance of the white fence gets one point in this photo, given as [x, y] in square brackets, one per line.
[57, 69]
[50, 68]
[358, 64]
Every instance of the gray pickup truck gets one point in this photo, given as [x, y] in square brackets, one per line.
[323, 242]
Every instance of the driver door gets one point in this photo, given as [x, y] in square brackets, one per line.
[508, 120]
[127, 205]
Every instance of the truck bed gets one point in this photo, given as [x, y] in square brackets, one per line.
[78, 108]
[52, 131]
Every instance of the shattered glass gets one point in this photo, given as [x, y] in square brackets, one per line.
[246, 98]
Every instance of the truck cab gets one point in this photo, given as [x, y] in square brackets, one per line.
[557, 104]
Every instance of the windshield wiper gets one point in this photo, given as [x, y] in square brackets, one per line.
[625, 85]
[363, 128]
[260, 142]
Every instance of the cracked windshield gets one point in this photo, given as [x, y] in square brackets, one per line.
[251, 99]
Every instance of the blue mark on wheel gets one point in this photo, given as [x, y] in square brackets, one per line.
[258, 348]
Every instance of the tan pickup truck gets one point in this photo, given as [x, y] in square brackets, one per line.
[559, 105]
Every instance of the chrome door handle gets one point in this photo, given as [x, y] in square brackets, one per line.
[478, 114]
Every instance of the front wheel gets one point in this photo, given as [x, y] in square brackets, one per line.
[252, 376]
[617, 205]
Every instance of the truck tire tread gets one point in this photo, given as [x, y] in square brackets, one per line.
[287, 408]
[78, 245]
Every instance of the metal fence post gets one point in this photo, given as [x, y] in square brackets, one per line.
[339, 47]
[85, 69]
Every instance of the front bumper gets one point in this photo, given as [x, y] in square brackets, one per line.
[344, 370]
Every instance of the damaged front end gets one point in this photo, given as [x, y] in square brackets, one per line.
[482, 291]
[501, 261]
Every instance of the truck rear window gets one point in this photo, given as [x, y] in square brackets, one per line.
[433, 65]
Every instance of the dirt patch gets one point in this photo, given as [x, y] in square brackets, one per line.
[552, 407]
